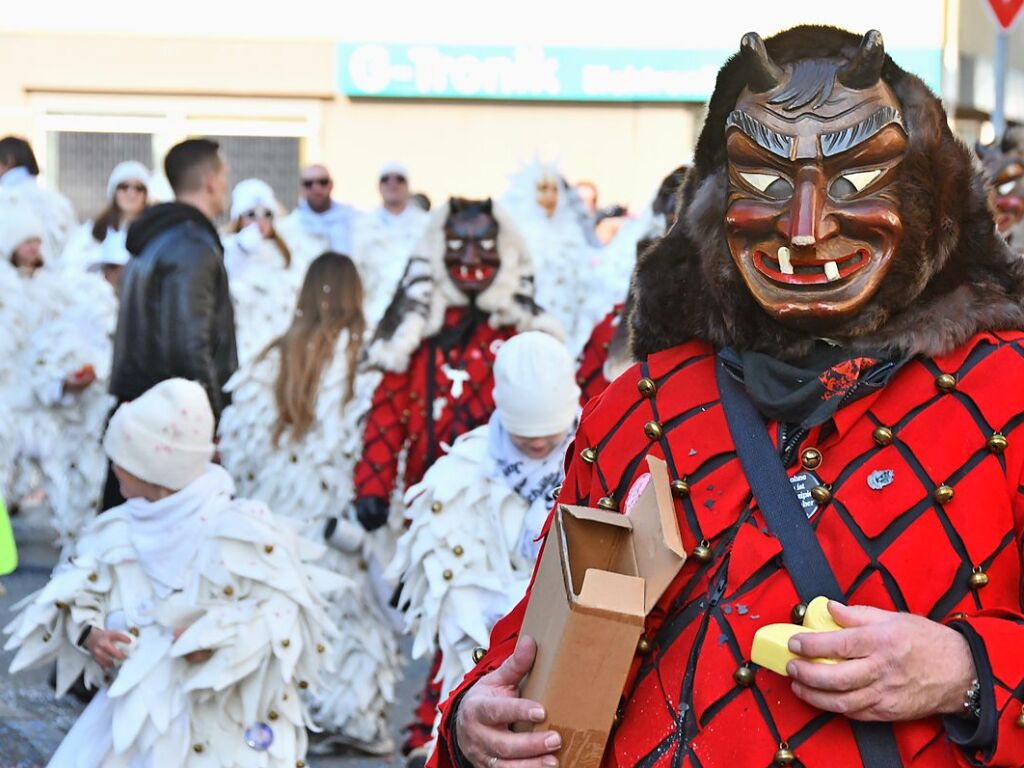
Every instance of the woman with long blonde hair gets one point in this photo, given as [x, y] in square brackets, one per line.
[290, 439]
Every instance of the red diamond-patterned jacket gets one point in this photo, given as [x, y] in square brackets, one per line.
[402, 412]
[590, 374]
[894, 548]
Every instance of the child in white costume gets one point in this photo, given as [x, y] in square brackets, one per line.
[469, 552]
[291, 439]
[196, 614]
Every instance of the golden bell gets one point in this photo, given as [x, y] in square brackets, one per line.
[882, 435]
[785, 756]
[458, 551]
[589, 455]
[478, 654]
[743, 676]
[1020, 720]
[810, 458]
[644, 645]
[821, 494]
[303, 685]
[647, 387]
[943, 494]
[977, 579]
[996, 443]
[798, 613]
[436, 507]
[197, 748]
[607, 502]
[702, 552]
[447, 574]
[680, 488]
[945, 382]
[653, 430]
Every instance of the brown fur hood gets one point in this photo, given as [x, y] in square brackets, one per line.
[951, 277]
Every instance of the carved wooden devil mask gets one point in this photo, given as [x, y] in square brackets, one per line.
[814, 148]
[471, 255]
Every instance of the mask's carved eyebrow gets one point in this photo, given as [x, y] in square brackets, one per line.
[776, 143]
[848, 138]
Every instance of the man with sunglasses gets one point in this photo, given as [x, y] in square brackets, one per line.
[384, 238]
[326, 221]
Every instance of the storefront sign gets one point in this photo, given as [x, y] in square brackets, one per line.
[535, 73]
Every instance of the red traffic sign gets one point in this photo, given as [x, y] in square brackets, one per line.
[1006, 11]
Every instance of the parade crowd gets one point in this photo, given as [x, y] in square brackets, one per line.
[376, 380]
[314, 432]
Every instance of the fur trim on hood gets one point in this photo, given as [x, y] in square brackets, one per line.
[951, 277]
[426, 291]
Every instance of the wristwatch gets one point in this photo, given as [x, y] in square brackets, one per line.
[972, 700]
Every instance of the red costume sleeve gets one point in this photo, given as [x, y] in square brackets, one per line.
[506, 632]
[387, 427]
[996, 637]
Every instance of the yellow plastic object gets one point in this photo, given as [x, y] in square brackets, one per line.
[8, 549]
[771, 642]
[817, 616]
[771, 646]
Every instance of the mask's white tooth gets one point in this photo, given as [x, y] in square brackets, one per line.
[464, 271]
[479, 274]
[784, 266]
[831, 270]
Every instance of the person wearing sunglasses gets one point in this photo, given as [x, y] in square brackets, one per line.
[127, 198]
[265, 268]
[329, 223]
[385, 236]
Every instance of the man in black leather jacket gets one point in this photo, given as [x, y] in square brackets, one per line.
[176, 317]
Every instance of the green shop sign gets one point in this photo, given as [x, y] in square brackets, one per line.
[536, 73]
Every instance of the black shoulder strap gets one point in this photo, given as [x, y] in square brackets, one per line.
[802, 554]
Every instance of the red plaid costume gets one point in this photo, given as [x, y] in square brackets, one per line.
[590, 376]
[407, 411]
[896, 548]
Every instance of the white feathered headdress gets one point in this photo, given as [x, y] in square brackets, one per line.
[426, 291]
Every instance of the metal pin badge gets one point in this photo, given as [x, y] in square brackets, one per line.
[880, 478]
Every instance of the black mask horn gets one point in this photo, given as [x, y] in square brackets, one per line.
[864, 69]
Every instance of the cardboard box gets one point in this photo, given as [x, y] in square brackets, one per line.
[599, 576]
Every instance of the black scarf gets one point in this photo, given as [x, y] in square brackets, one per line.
[809, 391]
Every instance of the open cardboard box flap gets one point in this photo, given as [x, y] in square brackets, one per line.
[599, 575]
[657, 543]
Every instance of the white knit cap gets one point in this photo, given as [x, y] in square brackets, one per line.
[535, 385]
[164, 436]
[129, 170]
[393, 166]
[251, 194]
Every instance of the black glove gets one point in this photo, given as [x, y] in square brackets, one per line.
[372, 512]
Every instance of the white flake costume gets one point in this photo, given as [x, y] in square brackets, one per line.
[13, 311]
[62, 430]
[383, 243]
[263, 285]
[561, 255]
[468, 554]
[46, 297]
[242, 584]
[311, 482]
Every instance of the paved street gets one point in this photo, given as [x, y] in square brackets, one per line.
[32, 722]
